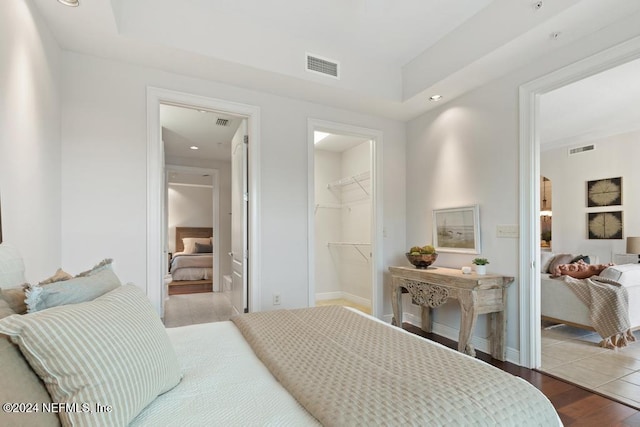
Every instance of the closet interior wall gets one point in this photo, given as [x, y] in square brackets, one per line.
[343, 224]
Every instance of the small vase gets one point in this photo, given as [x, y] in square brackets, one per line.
[481, 269]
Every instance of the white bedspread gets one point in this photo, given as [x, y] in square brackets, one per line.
[224, 384]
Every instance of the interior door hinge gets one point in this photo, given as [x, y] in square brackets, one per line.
[246, 139]
[245, 196]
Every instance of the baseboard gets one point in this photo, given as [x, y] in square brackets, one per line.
[481, 344]
[343, 295]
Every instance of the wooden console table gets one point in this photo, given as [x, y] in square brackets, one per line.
[477, 294]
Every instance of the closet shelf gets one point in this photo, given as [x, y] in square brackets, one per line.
[354, 245]
[354, 179]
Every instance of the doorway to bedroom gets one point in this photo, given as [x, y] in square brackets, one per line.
[198, 150]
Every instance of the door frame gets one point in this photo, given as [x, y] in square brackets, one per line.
[215, 179]
[155, 182]
[377, 271]
[529, 270]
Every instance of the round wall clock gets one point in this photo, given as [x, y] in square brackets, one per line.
[605, 225]
[604, 192]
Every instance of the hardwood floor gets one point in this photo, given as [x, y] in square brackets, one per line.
[575, 405]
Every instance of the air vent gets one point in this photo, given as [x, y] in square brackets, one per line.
[222, 122]
[583, 149]
[324, 66]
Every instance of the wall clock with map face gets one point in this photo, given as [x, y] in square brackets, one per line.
[604, 192]
[605, 225]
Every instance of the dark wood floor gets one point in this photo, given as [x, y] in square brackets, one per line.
[576, 406]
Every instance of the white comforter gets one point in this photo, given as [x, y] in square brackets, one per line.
[224, 384]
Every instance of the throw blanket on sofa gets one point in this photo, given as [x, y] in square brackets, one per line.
[347, 369]
[608, 303]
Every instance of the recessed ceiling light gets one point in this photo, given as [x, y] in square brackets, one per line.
[72, 3]
[203, 111]
[319, 136]
[194, 147]
[435, 98]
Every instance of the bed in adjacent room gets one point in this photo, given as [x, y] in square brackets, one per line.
[191, 265]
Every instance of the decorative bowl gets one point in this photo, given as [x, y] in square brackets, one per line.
[421, 261]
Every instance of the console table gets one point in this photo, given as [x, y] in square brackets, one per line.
[477, 294]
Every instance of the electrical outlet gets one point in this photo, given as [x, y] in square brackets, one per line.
[276, 299]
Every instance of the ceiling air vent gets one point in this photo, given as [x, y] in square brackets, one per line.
[324, 66]
[222, 122]
[583, 149]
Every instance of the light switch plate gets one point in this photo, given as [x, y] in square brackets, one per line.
[508, 231]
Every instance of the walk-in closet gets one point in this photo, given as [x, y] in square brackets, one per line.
[343, 211]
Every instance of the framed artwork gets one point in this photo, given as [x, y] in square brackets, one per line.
[604, 192]
[604, 225]
[457, 229]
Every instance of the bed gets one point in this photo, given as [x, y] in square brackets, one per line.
[191, 265]
[116, 364]
[559, 304]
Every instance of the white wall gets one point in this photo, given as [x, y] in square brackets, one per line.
[104, 172]
[466, 152]
[30, 138]
[356, 224]
[328, 224]
[188, 207]
[615, 156]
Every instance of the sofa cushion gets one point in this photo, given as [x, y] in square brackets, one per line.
[84, 287]
[625, 274]
[20, 384]
[110, 351]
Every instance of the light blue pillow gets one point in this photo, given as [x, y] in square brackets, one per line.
[87, 286]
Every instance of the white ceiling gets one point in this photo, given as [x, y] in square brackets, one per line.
[339, 143]
[602, 105]
[183, 128]
[393, 54]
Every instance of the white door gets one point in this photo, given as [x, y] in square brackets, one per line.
[239, 197]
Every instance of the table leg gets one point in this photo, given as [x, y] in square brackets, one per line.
[499, 330]
[426, 318]
[469, 315]
[396, 306]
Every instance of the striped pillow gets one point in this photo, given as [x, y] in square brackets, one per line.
[113, 351]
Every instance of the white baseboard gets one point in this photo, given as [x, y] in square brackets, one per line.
[343, 295]
[481, 344]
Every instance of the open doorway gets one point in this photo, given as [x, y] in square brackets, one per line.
[245, 148]
[343, 213]
[198, 147]
[571, 209]
[345, 219]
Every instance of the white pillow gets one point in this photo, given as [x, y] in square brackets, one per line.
[11, 267]
[112, 351]
[189, 243]
[625, 274]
